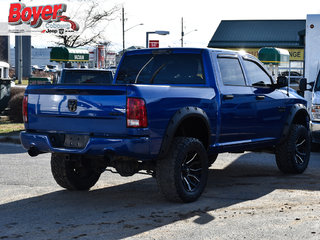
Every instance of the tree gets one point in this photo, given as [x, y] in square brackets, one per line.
[92, 22]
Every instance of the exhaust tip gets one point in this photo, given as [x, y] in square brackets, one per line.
[33, 152]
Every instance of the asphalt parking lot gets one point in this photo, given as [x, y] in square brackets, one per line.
[246, 198]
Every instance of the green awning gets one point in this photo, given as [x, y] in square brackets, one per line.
[63, 54]
[273, 56]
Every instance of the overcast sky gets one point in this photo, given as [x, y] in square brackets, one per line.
[203, 15]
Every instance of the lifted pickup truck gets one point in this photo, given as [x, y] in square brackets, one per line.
[169, 112]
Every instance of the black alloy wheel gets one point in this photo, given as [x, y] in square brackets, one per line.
[191, 172]
[182, 175]
[301, 150]
[293, 154]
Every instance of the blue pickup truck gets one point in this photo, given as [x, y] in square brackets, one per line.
[168, 112]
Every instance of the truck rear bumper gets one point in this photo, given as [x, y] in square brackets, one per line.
[315, 131]
[138, 147]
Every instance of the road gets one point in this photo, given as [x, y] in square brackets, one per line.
[246, 198]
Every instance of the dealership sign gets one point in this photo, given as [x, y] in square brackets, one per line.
[153, 43]
[35, 16]
[296, 54]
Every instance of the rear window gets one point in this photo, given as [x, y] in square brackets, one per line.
[231, 72]
[161, 69]
[86, 77]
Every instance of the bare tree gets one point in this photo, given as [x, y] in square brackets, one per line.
[92, 23]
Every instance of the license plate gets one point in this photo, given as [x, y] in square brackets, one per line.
[75, 141]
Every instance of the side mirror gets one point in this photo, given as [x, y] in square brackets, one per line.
[303, 84]
[282, 81]
[312, 85]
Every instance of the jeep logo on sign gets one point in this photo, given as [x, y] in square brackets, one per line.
[72, 105]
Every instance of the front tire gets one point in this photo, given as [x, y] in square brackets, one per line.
[182, 175]
[292, 156]
[72, 172]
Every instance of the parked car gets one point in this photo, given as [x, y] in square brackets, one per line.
[52, 68]
[294, 78]
[36, 68]
[44, 68]
[112, 69]
[169, 112]
[85, 76]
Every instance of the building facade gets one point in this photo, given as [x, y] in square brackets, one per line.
[251, 35]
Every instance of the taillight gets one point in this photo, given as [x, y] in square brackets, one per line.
[315, 109]
[136, 113]
[25, 109]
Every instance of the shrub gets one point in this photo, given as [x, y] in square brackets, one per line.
[16, 90]
[15, 107]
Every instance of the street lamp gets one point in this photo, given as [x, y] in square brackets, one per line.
[133, 27]
[184, 34]
[123, 44]
[155, 32]
[123, 31]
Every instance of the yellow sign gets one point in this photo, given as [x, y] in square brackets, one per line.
[296, 54]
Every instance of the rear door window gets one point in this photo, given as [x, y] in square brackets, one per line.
[179, 68]
[231, 72]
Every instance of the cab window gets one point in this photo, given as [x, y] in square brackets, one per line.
[256, 75]
[231, 72]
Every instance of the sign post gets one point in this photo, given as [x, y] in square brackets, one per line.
[155, 32]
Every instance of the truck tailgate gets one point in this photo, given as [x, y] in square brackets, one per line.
[77, 109]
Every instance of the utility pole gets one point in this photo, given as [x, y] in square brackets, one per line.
[123, 46]
[20, 67]
[182, 32]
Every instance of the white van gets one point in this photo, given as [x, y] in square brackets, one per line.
[315, 110]
[4, 70]
[312, 73]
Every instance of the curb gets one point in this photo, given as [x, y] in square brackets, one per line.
[10, 139]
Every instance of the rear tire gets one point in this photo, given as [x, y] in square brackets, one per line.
[182, 175]
[73, 174]
[292, 156]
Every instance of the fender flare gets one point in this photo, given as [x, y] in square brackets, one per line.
[175, 122]
[295, 110]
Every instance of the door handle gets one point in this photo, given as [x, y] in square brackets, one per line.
[260, 97]
[228, 97]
